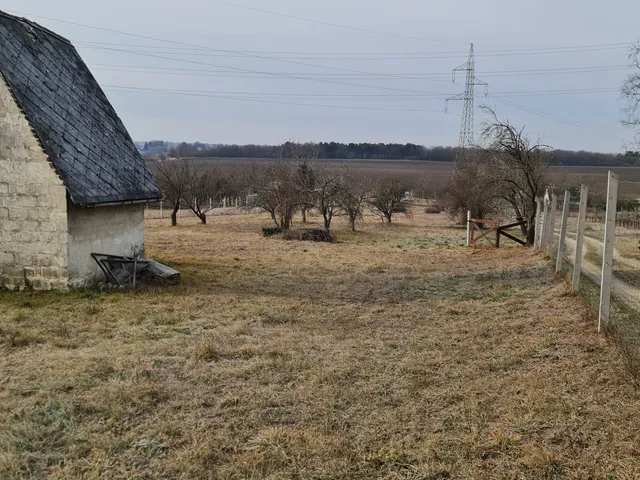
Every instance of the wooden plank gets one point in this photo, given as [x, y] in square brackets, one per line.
[563, 230]
[486, 238]
[513, 225]
[511, 237]
[607, 257]
[485, 233]
[485, 222]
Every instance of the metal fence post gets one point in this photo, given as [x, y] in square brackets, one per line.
[468, 228]
[552, 224]
[582, 216]
[563, 230]
[607, 255]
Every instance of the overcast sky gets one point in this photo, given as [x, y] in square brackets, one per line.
[237, 81]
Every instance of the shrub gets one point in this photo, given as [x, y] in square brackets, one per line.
[432, 209]
[309, 235]
[271, 231]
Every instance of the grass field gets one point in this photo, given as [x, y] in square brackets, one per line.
[394, 353]
[439, 173]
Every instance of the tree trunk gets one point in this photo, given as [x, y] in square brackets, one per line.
[304, 214]
[174, 216]
[388, 215]
[352, 223]
[273, 217]
[531, 230]
[327, 220]
[203, 218]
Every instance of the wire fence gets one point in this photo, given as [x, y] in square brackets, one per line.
[598, 243]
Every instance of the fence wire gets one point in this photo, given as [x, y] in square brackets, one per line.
[624, 311]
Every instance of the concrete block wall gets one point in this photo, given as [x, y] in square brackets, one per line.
[33, 207]
[112, 230]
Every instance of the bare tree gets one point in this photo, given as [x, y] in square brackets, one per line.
[304, 155]
[277, 191]
[175, 177]
[326, 194]
[389, 198]
[307, 182]
[518, 167]
[208, 186]
[354, 192]
[631, 90]
[470, 188]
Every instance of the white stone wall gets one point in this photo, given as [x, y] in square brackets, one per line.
[33, 207]
[111, 230]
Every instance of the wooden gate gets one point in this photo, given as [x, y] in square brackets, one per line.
[477, 232]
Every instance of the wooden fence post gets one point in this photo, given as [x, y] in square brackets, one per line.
[563, 230]
[468, 228]
[577, 262]
[607, 255]
[552, 224]
[160, 209]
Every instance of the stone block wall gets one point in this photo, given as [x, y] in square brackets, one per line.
[33, 207]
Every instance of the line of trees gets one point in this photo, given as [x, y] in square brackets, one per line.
[388, 151]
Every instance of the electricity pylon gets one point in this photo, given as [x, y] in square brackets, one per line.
[466, 127]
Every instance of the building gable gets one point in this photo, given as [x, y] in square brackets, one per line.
[71, 116]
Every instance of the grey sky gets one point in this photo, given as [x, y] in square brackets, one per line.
[589, 121]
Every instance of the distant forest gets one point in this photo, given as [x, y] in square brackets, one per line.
[378, 151]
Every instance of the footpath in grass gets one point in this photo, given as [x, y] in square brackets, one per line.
[394, 353]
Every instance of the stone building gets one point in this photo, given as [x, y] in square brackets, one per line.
[72, 182]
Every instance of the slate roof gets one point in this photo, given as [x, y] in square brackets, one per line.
[76, 125]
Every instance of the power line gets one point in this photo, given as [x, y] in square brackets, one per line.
[189, 45]
[257, 100]
[335, 25]
[402, 76]
[280, 75]
[551, 117]
[568, 48]
[499, 96]
[224, 53]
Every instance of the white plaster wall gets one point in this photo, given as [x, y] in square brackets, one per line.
[33, 207]
[110, 230]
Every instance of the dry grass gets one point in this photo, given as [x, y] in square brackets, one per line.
[394, 353]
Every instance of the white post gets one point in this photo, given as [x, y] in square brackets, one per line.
[468, 228]
[224, 205]
[607, 256]
[160, 209]
[210, 204]
[552, 224]
[582, 216]
[563, 230]
[179, 211]
[545, 223]
[537, 224]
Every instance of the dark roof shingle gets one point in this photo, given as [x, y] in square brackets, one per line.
[78, 128]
